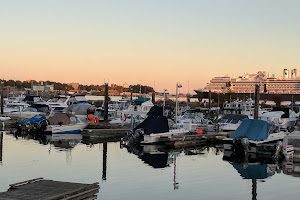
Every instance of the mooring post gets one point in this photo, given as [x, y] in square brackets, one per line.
[2, 99]
[106, 105]
[209, 100]
[104, 166]
[1, 146]
[153, 97]
[256, 101]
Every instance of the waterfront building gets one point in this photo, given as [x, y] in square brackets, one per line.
[287, 84]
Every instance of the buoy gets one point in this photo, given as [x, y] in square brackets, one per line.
[97, 119]
[199, 131]
[91, 118]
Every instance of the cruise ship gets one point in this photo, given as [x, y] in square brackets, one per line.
[289, 83]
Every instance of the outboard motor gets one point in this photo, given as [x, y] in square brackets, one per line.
[133, 137]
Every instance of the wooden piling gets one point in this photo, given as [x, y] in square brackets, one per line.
[2, 100]
[209, 100]
[106, 105]
[1, 147]
[153, 97]
[256, 101]
[104, 167]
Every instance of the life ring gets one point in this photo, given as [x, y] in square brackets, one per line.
[123, 117]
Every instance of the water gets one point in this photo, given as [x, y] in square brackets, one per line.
[139, 174]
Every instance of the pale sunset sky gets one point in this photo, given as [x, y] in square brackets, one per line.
[152, 42]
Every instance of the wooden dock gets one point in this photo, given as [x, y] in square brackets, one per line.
[50, 190]
[104, 133]
[193, 139]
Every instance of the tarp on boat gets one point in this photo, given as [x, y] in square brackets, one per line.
[79, 109]
[155, 122]
[140, 100]
[34, 119]
[60, 119]
[254, 129]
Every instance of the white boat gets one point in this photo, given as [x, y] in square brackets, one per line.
[15, 107]
[253, 136]
[62, 123]
[26, 113]
[230, 122]
[156, 138]
[284, 118]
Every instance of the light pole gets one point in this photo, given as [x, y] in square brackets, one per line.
[178, 85]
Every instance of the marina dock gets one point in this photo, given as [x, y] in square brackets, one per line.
[194, 139]
[50, 190]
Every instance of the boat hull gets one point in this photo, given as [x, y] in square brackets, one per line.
[65, 129]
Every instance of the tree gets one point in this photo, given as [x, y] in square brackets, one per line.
[277, 98]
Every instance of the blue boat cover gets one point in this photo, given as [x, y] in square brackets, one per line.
[254, 129]
[252, 171]
[34, 119]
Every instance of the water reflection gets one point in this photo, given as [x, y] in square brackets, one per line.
[253, 167]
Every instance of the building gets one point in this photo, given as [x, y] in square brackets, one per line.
[246, 83]
[38, 87]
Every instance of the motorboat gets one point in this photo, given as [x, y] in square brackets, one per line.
[62, 123]
[153, 129]
[284, 118]
[253, 136]
[15, 106]
[230, 122]
[25, 113]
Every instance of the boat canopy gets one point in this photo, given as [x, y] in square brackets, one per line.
[235, 116]
[254, 129]
[60, 119]
[155, 122]
[79, 109]
[140, 100]
[34, 119]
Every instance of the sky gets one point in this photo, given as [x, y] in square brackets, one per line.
[149, 42]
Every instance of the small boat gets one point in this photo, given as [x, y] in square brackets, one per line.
[253, 136]
[62, 123]
[35, 123]
[230, 122]
[153, 129]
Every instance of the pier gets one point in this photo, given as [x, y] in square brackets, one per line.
[42, 189]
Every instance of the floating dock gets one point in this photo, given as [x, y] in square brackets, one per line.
[50, 190]
[104, 133]
[193, 139]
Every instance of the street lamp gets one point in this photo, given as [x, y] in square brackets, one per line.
[178, 85]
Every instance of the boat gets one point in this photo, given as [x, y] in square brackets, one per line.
[254, 136]
[284, 118]
[291, 146]
[35, 123]
[230, 122]
[153, 129]
[62, 123]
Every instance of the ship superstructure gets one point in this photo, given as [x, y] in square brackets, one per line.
[287, 84]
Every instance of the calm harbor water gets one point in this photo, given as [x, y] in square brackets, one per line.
[149, 173]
